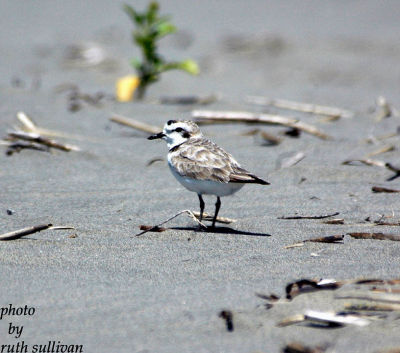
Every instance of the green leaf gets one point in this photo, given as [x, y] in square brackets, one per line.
[164, 28]
[135, 17]
[152, 12]
[190, 66]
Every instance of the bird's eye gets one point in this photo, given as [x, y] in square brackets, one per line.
[171, 122]
[178, 129]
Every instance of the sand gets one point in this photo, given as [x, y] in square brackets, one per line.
[110, 291]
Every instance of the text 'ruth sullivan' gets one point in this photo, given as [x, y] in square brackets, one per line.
[50, 347]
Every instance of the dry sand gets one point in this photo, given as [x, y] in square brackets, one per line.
[162, 292]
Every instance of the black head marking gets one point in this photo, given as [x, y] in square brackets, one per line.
[185, 133]
[171, 122]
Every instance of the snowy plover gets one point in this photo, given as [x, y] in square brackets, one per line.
[202, 166]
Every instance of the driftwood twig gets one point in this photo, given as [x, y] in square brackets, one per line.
[215, 117]
[372, 296]
[381, 150]
[157, 227]
[376, 163]
[334, 221]
[328, 239]
[327, 318]
[16, 234]
[309, 217]
[372, 307]
[377, 236]
[28, 125]
[135, 124]
[207, 217]
[36, 138]
[302, 107]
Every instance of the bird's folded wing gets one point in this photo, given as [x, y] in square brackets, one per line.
[201, 170]
[204, 162]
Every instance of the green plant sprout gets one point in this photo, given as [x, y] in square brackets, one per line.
[150, 27]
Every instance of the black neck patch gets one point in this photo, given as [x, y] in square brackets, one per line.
[173, 149]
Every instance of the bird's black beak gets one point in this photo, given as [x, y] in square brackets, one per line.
[160, 135]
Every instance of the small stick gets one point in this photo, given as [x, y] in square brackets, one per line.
[382, 137]
[368, 281]
[379, 189]
[331, 317]
[16, 234]
[302, 107]
[295, 319]
[373, 307]
[34, 137]
[310, 217]
[381, 150]
[60, 227]
[328, 239]
[292, 160]
[153, 228]
[207, 217]
[20, 145]
[29, 126]
[376, 163]
[377, 236]
[135, 124]
[334, 221]
[157, 227]
[293, 289]
[386, 290]
[382, 223]
[370, 162]
[373, 162]
[296, 245]
[372, 296]
[213, 117]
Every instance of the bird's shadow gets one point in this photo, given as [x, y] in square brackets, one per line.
[221, 230]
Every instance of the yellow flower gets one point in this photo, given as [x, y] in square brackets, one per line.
[126, 87]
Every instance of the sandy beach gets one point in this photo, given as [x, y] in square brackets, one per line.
[98, 285]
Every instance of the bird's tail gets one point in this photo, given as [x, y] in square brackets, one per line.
[247, 178]
[256, 180]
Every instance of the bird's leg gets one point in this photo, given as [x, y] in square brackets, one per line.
[201, 206]
[217, 207]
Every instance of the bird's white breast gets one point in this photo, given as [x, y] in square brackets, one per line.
[205, 187]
